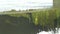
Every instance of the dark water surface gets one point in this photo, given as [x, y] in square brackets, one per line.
[14, 25]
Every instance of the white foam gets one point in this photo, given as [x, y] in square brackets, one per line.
[49, 32]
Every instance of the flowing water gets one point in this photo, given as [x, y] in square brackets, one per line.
[49, 32]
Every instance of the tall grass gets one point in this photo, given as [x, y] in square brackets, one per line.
[45, 20]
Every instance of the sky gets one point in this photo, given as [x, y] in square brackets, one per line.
[24, 4]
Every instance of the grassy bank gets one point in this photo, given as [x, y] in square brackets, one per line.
[44, 20]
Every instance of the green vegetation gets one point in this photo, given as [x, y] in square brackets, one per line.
[45, 20]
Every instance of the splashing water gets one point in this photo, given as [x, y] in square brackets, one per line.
[49, 32]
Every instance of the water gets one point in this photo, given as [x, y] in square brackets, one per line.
[49, 32]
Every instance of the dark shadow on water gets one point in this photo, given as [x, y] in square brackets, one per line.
[16, 25]
[22, 25]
